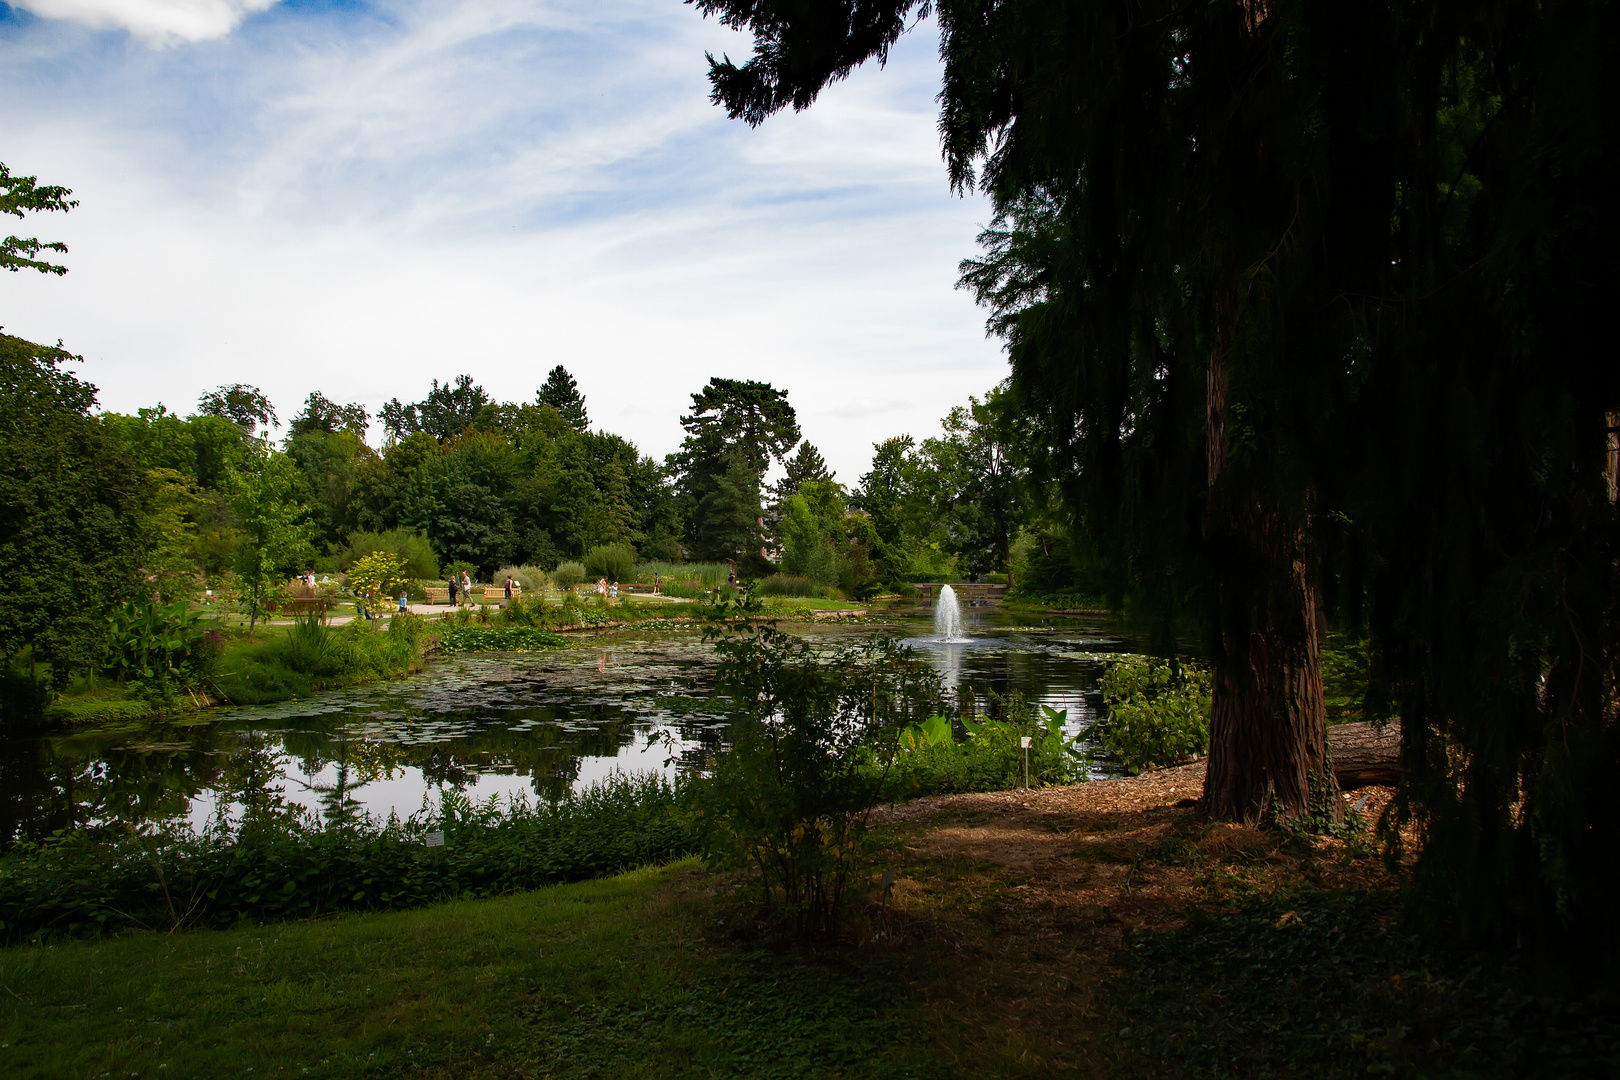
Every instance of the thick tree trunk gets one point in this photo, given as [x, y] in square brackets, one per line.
[1268, 729]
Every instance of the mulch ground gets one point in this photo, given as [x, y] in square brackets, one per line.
[1034, 890]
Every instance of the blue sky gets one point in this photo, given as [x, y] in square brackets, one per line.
[358, 198]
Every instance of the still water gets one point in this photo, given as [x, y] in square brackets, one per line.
[529, 724]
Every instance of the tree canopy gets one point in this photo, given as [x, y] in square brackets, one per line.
[245, 406]
[72, 511]
[20, 195]
[446, 412]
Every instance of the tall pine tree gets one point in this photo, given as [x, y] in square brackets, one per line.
[562, 393]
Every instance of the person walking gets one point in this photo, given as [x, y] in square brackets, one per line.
[658, 584]
[509, 589]
[454, 585]
[466, 587]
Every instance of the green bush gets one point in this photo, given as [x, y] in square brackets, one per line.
[789, 800]
[420, 561]
[279, 862]
[1158, 713]
[568, 575]
[616, 562]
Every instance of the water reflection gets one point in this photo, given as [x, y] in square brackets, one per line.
[536, 725]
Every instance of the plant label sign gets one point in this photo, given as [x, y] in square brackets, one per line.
[435, 839]
[1024, 741]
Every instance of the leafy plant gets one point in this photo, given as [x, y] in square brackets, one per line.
[567, 575]
[931, 760]
[161, 644]
[1158, 712]
[789, 800]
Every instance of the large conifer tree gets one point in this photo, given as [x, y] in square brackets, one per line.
[1306, 302]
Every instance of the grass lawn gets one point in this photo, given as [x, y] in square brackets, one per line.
[612, 978]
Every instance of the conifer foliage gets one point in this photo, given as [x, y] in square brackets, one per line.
[1305, 308]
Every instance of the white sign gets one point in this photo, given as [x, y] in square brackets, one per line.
[1024, 741]
[435, 839]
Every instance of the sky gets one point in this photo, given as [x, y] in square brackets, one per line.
[359, 198]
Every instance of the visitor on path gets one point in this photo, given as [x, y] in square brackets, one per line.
[613, 590]
[404, 603]
[658, 584]
[466, 588]
[509, 590]
[731, 579]
[454, 584]
[601, 587]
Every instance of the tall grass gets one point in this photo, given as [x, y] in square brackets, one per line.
[703, 575]
[314, 655]
[792, 585]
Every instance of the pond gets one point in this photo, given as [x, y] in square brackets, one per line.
[529, 724]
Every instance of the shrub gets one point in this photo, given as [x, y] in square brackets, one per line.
[790, 799]
[382, 573]
[568, 575]
[616, 562]
[280, 862]
[1158, 713]
[414, 550]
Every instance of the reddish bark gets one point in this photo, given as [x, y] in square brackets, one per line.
[1268, 729]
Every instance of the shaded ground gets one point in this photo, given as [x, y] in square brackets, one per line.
[1090, 931]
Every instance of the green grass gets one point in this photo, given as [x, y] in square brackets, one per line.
[608, 978]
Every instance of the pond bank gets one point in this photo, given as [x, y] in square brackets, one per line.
[1090, 930]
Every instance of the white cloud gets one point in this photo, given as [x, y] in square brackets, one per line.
[358, 203]
[156, 22]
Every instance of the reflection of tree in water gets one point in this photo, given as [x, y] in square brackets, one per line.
[354, 762]
[92, 783]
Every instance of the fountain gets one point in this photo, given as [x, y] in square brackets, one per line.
[948, 616]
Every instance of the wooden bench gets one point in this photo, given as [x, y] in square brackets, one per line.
[437, 596]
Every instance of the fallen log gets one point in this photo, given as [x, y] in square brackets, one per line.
[1364, 754]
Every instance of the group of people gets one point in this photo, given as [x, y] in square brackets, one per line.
[463, 585]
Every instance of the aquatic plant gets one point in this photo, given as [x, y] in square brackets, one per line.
[498, 639]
